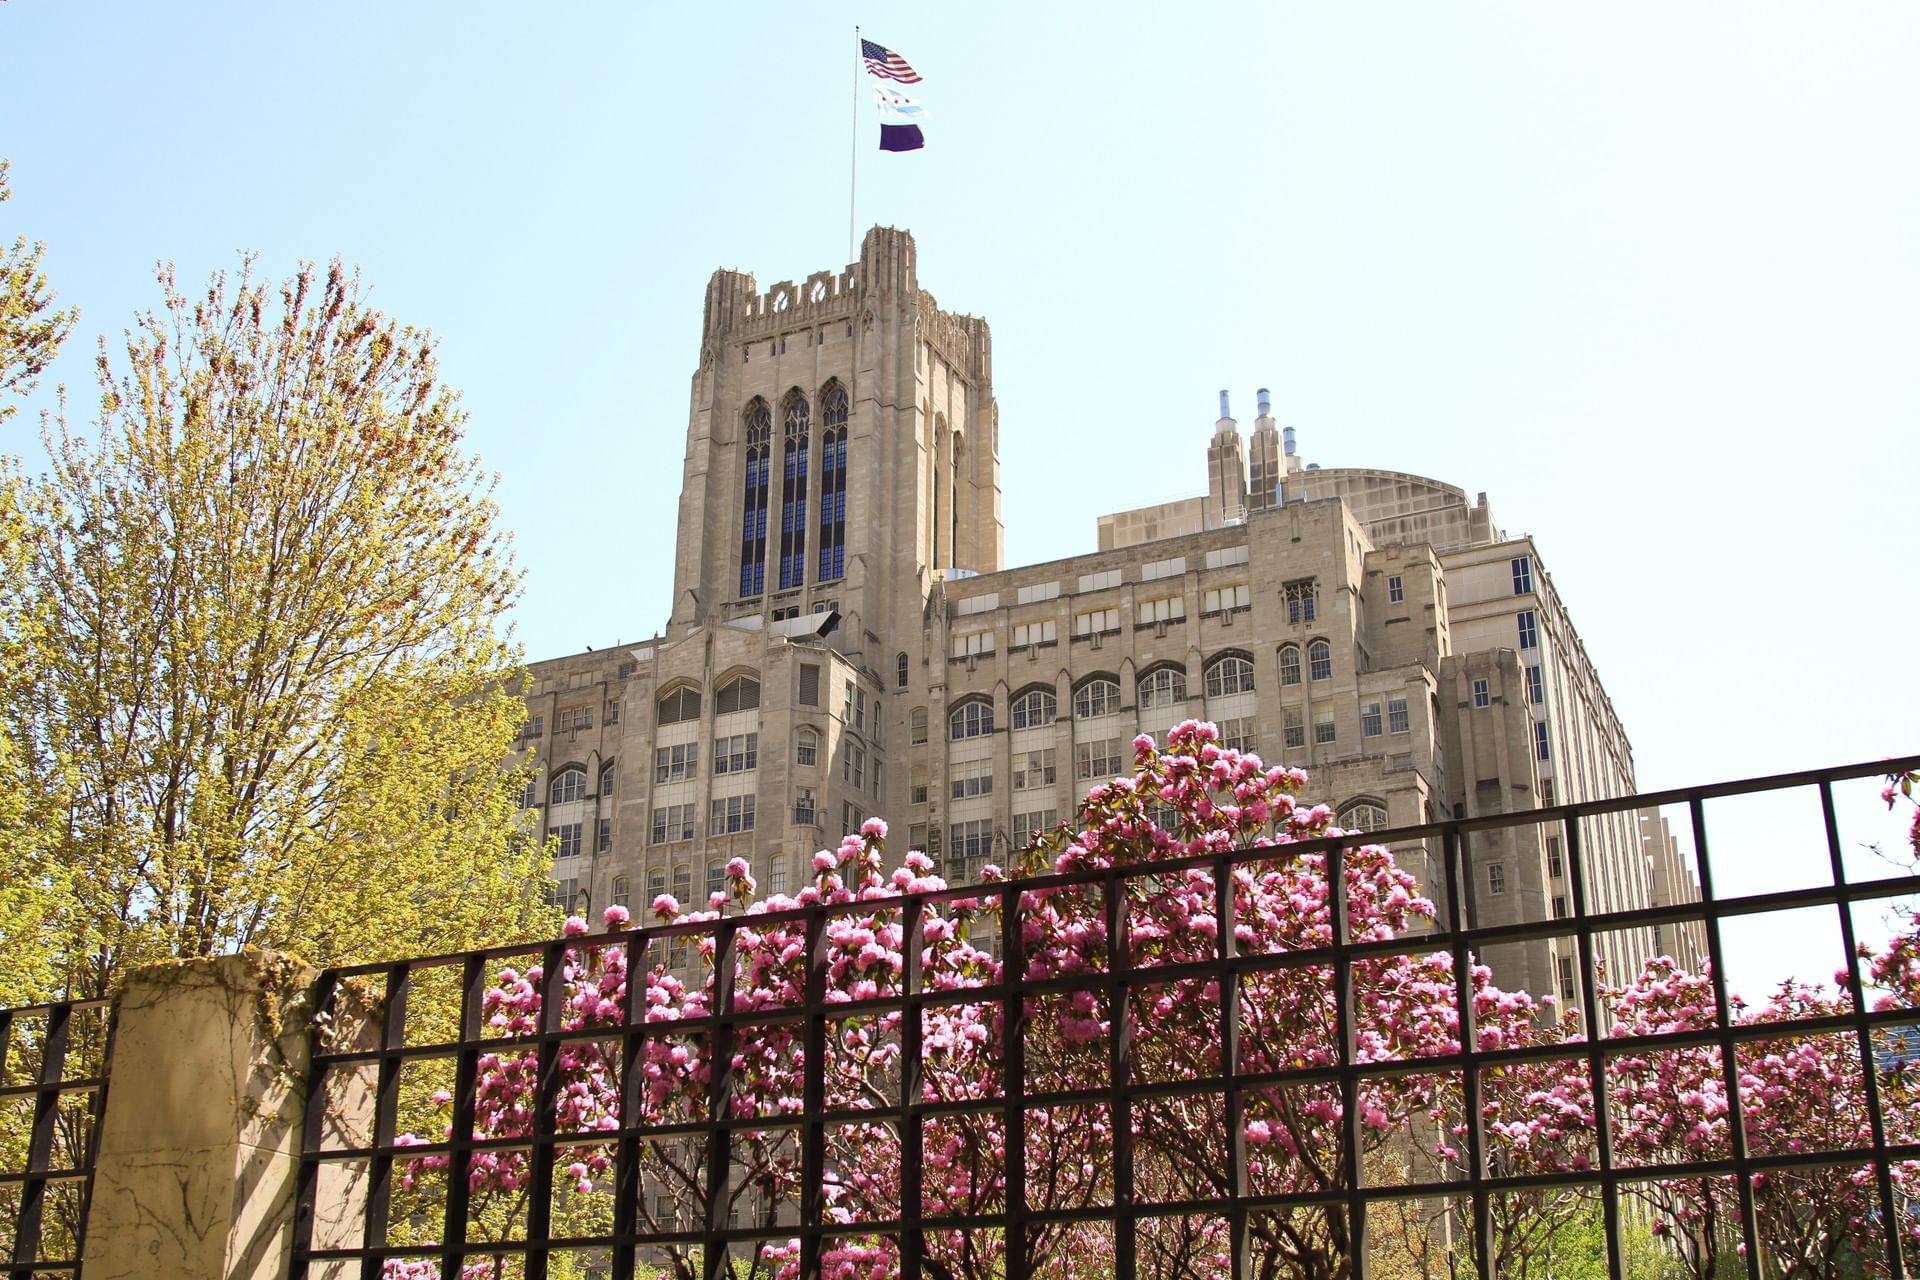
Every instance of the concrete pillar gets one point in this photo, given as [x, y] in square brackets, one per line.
[200, 1145]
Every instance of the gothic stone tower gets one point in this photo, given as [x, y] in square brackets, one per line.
[842, 453]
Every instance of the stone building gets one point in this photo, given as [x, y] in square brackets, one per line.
[844, 639]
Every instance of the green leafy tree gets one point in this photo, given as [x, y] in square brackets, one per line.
[32, 888]
[268, 689]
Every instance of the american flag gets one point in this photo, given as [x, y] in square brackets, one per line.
[886, 63]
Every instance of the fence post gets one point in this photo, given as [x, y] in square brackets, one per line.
[200, 1144]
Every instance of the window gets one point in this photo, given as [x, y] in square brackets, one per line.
[1293, 729]
[535, 727]
[1396, 590]
[1037, 592]
[1099, 697]
[562, 893]
[656, 884]
[1523, 576]
[682, 704]
[1026, 633]
[606, 779]
[1540, 747]
[1230, 675]
[917, 785]
[1026, 826]
[796, 418]
[753, 519]
[1396, 715]
[1536, 691]
[1237, 734]
[970, 720]
[917, 726]
[613, 711]
[730, 814]
[1096, 759]
[736, 754]
[1369, 719]
[1216, 599]
[1096, 622]
[1221, 557]
[781, 615]
[1496, 879]
[622, 891]
[568, 784]
[1529, 631]
[1033, 769]
[804, 812]
[1164, 816]
[1566, 979]
[1162, 688]
[1033, 709]
[569, 836]
[604, 837]
[1546, 791]
[972, 644]
[978, 604]
[846, 703]
[530, 794]
[1560, 906]
[806, 748]
[1323, 727]
[676, 764]
[900, 670]
[1165, 609]
[739, 694]
[673, 822]
[626, 670]
[970, 839]
[776, 875]
[1364, 815]
[833, 484]
[970, 778]
[1163, 568]
[853, 765]
[1482, 696]
[573, 719]
[1303, 601]
[1320, 660]
[1289, 664]
[809, 685]
[1100, 581]
[683, 881]
[1555, 866]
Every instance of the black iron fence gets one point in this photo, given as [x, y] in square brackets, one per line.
[52, 1091]
[520, 1112]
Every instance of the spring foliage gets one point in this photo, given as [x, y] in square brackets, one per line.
[264, 678]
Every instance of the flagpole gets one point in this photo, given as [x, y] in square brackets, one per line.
[853, 145]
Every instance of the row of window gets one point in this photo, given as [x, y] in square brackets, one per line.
[742, 693]
[1099, 696]
[796, 456]
[726, 815]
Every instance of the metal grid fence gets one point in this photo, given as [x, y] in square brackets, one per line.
[52, 1091]
[356, 1183]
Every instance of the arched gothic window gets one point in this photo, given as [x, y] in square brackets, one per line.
[833, 483]
[1320, 660]
[970, 720]
[568, 784]
[1231, 674]
[742, 693]
[1163, 688]
[753, 517]
[900, 670]
[793, 491]
[681, 704]
[1364, 815]
[1033, 709]
[1096, 698]
[1290, 664]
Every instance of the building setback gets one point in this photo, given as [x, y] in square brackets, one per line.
[844, 639]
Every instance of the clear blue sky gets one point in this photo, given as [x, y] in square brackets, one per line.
[1649, 275]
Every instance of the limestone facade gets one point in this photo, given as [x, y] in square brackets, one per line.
[844, 640]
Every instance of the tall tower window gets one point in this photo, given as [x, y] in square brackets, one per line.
[753, 517]
[833, 483]
[793, 492]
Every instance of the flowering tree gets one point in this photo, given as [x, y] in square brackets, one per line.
[1800, 1092]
